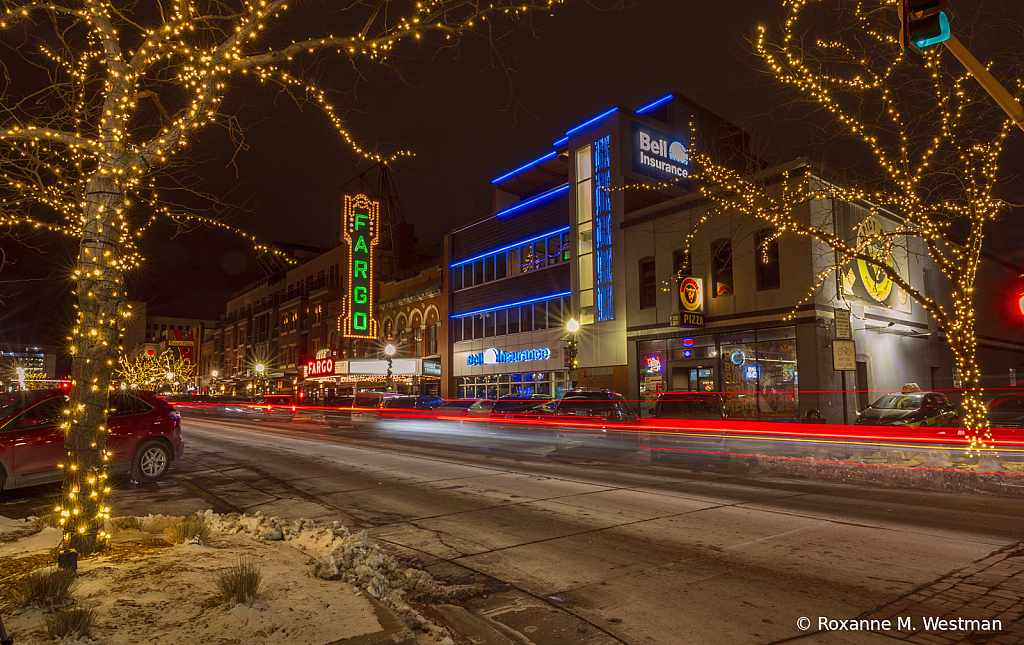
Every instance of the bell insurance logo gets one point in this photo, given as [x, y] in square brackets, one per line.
[691, 293]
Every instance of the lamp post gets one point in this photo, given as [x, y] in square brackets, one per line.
[572, 326]
[259, 378]
[389, 352]
[170, 382]
[213, 382]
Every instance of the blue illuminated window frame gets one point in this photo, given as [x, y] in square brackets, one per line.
[513, 245]
[511, 304]
[554, 192]
[536, 162]
[654, 105]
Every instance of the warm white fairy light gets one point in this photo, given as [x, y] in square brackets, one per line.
[919, 169]
[92, 163]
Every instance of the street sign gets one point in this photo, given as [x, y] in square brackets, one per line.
[843, 324]
[844, 355]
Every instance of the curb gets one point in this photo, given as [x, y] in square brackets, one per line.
[470, 626]
[395, 632]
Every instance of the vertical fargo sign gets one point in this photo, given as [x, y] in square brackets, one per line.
[361, 229]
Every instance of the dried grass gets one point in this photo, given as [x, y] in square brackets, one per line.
[48, 588]
[51, 520]
[241, 583]
[131, 523]
[72, 623]
[190, 527]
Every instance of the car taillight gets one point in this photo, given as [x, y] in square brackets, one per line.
[173, 414]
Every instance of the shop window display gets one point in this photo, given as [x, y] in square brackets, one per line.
[759, 374]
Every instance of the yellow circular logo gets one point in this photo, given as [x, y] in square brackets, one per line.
[691, 293]
[869, 238]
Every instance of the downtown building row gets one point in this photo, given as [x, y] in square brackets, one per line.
[607, 228]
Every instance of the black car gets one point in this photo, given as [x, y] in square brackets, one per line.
[588, 413]
[425, 402]
[910, 409]
[507, 410]
[682, 418]
[1006, 410]
[701, 406]
[361, 409]
[455, 407]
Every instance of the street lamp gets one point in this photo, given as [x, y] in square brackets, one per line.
[213, 381]
[572, 326]
[20, 371]
[389, 351]
[259, 377]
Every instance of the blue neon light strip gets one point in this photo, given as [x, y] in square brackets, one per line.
[534, 200]
[650, 107]
[600, 117]
[561, 142]
[525, 167]
[511, 304]
[510, 246]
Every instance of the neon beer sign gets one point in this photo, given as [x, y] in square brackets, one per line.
[360, 226]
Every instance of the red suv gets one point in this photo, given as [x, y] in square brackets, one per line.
[145, 436]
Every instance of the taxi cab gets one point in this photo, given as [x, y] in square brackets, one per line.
[910, 407]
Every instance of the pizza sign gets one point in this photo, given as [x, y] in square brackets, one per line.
[691, 298]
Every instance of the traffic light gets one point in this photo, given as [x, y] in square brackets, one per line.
[923, 23]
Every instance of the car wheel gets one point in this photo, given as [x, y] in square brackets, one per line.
[152, 460]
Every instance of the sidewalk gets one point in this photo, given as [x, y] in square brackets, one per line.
[991, 589]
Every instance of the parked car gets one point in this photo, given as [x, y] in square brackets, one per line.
[455, 407]
[678, 418]
[589, 413]
[275, 407]
[911, 408]
[493, 413]
[1006, 410]
[700, 406]
[424, 402]
[145, 436]
[362, 408]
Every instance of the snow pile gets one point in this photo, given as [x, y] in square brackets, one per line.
[318, 580]
[353, 558]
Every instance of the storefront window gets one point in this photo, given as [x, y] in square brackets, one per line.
[759, 374]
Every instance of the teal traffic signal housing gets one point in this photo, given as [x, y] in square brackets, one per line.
[923, 23]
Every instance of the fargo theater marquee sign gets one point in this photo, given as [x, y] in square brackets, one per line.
[361, 228]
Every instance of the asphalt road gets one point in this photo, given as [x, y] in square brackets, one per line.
[595, 547]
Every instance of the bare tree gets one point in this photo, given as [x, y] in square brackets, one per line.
[150, 371]
[100, 98]
[932, 140]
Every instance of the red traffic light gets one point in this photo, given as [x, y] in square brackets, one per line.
[1020, 304]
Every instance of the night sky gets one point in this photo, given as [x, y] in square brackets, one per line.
[467, 122]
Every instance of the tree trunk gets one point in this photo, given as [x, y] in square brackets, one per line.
[95, 341]
[963, 343]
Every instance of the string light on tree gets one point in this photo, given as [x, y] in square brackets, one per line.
[88, 149]
[936, 140]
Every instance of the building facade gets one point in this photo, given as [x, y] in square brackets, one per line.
[768, 307]
[552, 251]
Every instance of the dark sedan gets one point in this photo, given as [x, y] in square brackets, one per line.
[910, 409]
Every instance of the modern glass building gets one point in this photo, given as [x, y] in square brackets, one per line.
[553, 250]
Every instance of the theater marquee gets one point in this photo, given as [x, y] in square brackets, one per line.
[360, 226]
